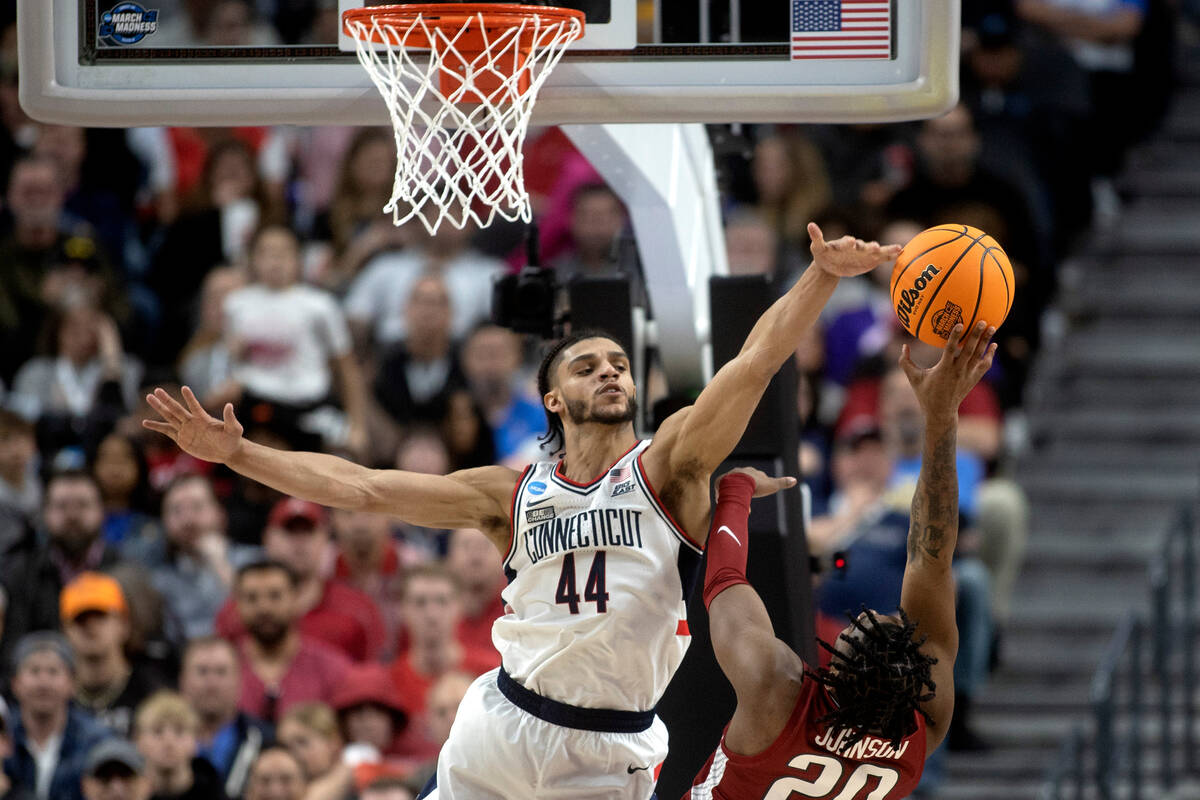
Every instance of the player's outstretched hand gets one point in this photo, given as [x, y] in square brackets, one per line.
[192, 428]
[764, 484]
[847, 256]
[942, 387]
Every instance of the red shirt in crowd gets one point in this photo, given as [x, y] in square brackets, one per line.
[862, 400]
[475, 633]
[313, 675]
[343, 618]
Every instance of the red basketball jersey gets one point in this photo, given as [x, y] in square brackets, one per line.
[810, 760]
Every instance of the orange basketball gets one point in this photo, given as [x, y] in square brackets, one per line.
[947, 275]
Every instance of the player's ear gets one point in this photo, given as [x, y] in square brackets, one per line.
[552, 401]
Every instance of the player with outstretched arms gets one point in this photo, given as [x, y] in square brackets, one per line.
[861, 728]
[599, 546]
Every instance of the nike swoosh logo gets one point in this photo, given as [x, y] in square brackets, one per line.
[726, 529]
[632, 769]
[532, 503]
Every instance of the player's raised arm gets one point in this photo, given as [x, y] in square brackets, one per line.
[927, 595]
[703, 436]
[757, 664]
[475, 498]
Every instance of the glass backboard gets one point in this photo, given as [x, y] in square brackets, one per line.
[224, 62]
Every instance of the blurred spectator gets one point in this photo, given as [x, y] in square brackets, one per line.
[235, 23]
[417, 375]
[369, 560]
[20, 486]
[468, 437]
[376, 300]
[441, 704]
[228, 739]
[328, 610]
[8, 789]
[51, 738]
[280, 666]
[387, 788]
[205, 364]
[598, 219]
[791, 183]
[166, 728]
[35, 573]
[751, 245]
[422, 450]
[108, 685]
[867, 164]
[310, 732]
[370, 710]
[1100, 35]
[431, 607]
[491, 357]
[115, 770]
[85, 382]
[289, 343]
[40, 232]
[276, 775]
[1030, 102]
[479, 568]
[95, 201]
[229, 204]
[355, 224]
[193, 563]
[123, 475]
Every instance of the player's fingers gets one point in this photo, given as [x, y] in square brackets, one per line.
[160, 427]
[952, 341]
[906, 363]
[971, 339]
[193, 405]
[893, 250]
[173, 404]
[981, 347]
[231, 423]
[817, 237]
[164, 410]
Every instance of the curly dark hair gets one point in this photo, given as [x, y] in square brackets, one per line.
[553, 437]
[882, 681]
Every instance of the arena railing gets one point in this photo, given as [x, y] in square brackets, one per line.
[1119, 719]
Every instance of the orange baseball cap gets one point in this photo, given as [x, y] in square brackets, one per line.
[91, 591]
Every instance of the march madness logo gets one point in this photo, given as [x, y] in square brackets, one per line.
[127, 23]
[945, 319]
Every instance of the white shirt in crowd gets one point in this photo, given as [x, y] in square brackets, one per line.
[45, 760]
[283, 340]
[379, 295]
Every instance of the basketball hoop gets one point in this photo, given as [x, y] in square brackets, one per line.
[460, 81]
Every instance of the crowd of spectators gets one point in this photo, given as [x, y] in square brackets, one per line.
[172, 630]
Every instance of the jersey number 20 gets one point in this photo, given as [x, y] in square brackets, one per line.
[593, 590]
[827, 779]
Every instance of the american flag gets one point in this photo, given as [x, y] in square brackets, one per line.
[841, 29]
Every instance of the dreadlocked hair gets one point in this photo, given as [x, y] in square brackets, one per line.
[883, 680]
[553, 439]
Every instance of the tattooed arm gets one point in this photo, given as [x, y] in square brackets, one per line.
[927, 595]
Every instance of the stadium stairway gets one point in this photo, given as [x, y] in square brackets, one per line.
[1113, 414]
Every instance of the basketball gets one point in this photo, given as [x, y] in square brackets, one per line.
[948, 275]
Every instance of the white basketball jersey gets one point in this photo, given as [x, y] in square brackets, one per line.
[598, 575]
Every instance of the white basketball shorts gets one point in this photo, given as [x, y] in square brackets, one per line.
[508, 743]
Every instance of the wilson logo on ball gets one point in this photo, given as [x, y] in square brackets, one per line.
[909, 297]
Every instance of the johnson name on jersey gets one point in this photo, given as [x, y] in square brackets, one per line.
[816, 761]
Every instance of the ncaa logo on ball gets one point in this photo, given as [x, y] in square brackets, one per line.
[127, 23]
[910, 298]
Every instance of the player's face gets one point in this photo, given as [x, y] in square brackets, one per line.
[594, 385]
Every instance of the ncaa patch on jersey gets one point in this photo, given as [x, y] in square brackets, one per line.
[542, 514]
[535, 488]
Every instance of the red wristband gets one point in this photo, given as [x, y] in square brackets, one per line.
[728, 540]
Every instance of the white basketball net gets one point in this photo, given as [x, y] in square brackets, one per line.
[459, 160]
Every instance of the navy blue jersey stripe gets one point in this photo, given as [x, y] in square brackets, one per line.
[689, 570]
[644, 483]
[513, 524]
